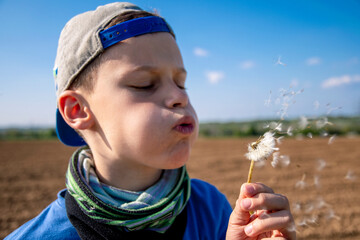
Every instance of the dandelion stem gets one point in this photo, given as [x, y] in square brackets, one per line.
[250, 171]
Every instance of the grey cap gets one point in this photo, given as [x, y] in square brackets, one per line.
[83, 39]
[79, 42]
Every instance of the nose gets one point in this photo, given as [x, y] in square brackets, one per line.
[176, 97]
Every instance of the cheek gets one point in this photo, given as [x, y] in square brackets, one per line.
[144, 127]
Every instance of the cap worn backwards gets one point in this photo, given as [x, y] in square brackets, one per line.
[83, 39]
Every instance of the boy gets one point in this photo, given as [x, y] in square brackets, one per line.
[120, 85]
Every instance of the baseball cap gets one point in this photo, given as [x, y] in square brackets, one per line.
[83, 39]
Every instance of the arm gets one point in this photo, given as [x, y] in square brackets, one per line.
[271, 219]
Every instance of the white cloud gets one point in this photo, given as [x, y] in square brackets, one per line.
[214, 76]
[338, 81]
[200, 52]
[313, 61]
[247, 64]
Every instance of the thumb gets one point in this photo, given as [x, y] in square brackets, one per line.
[240, 217]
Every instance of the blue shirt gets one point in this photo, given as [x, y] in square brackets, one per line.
[208, 213]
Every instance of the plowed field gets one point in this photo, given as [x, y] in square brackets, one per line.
[320, 181]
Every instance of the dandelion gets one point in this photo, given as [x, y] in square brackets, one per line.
[260, 150]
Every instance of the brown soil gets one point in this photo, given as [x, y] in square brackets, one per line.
[327, 207]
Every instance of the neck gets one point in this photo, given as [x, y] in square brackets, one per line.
[124, 176]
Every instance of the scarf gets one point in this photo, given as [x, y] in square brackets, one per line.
[154, 209]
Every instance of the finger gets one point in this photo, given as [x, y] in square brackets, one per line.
[251, 189]
[280, 222]
[265, 201]
[240, 217]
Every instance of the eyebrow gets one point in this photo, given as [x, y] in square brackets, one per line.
[155, 69]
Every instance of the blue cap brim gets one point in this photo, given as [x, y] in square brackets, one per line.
[66, 134]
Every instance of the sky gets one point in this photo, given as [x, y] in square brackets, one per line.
[245, 60]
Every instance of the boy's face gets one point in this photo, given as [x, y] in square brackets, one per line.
[142, 111]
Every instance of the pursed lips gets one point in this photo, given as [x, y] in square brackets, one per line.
[185, 125]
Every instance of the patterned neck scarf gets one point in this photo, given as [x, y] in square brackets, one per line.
[154, 209]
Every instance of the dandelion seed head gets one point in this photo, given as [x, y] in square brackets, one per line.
[263, 148]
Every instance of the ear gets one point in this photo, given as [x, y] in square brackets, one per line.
[75, 110]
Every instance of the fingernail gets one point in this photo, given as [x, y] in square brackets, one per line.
[246, 203]
[250, 189]
[248, 229]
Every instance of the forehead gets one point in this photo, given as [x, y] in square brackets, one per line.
[158, 50]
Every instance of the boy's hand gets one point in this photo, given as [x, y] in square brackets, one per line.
[271, 219]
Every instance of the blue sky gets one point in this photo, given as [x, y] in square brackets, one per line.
[236, 53]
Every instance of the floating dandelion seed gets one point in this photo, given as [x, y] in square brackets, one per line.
[278, 127]
[312, 220]
[296, 207]
[302, 223]
[317, 181]
[350, 175]
[331, 215]
[260, 150]
[320, 164]
[289, 131]
[309, 135]
[323, 122]
[320, 203]
[303, 122]
[279, 62]
[275, 159]
[301, 184]
[268, 101]
[330, 110]
[324, 134]
[279, 140]
[332, 139]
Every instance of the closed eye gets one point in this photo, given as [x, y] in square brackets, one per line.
[148, 87]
